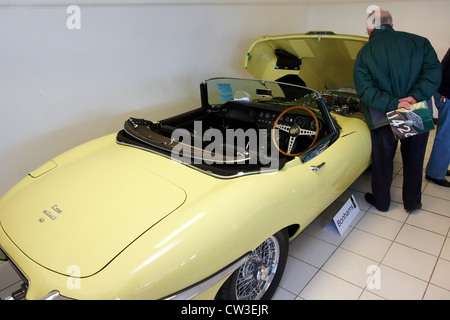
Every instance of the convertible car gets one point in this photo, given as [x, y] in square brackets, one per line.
[202, 204]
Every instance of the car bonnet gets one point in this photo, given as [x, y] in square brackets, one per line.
[84, 224]
[323, 60]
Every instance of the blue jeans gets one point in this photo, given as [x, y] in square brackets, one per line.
[440, 154]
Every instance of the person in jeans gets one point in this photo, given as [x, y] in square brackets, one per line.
[437, 167]
[394, 70]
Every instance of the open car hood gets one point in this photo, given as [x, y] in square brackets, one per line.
[322, 60]
[87, 223]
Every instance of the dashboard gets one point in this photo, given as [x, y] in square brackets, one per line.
[264, 116]
[266, 119]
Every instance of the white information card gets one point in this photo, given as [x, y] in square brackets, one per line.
[345, 216]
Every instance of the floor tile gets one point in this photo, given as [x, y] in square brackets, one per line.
[441, 275]
[379, 225]
[325, 286]
[398, 157]
[398, 167]
[436, 205]
[366, 244]
[367, 295]
[396, 195]
[311, 250]
[430, 221]
[445, 253]
[396, 285]
[437, 191]
[435, 293]
[325, 230]
[421, 239]
[397, 181]
[363, 184]
[411, 261]
[396, 212]
[349, 266]
[297, 275]
[6, 291]
[9, 280]
[7, 274]
[283, 294]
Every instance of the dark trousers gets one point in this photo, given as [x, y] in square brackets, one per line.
[412, 149]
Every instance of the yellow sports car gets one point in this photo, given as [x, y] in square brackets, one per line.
[203, 204]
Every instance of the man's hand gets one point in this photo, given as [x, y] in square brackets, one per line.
[406, 102]
[403, 104]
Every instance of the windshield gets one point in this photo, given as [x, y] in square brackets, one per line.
[221, 90]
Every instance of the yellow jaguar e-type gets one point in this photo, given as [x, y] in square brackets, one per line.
[203, 204]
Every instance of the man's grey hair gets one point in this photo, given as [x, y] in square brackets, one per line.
[379, 17]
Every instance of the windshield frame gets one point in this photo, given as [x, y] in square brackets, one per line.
[219, 90]
[321, 105]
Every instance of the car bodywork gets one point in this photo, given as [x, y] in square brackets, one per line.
[323, 60]
[121, 217]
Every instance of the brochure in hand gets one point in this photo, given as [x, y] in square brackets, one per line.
[406, 123]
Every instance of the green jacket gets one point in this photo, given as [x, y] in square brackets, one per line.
[394, 65]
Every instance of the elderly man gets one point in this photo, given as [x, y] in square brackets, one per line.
[394, 70]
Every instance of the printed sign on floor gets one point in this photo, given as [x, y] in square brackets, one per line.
[345, 216]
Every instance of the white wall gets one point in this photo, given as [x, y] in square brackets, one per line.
[428, 18]
[61, 87]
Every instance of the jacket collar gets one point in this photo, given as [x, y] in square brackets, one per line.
[383, 27]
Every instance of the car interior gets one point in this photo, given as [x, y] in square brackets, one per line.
[242, 127]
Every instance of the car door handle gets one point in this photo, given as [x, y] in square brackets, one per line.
[315, 168]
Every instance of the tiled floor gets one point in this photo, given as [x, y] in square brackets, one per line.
[392, 255]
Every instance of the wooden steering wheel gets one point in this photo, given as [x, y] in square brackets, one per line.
[294, 131]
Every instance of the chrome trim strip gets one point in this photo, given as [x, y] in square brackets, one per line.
[55, 295]
[210, 173]
[196, 289]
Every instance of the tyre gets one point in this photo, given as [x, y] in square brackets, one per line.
[258, 278]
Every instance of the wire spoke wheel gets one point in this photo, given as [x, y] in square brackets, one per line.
[259, 276]
[256, 275]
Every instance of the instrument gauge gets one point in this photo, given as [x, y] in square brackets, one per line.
[300, 121]
[312, 125]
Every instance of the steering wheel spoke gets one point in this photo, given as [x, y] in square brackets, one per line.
[304, 132]
[283, 127]
[291, 144]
